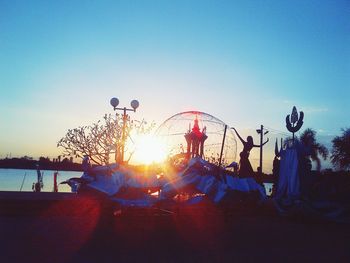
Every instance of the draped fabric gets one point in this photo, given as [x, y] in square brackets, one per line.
[288, 186]
[199, 176]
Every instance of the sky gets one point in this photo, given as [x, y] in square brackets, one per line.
[245, 62]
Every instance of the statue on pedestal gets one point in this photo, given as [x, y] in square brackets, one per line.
[195, 140]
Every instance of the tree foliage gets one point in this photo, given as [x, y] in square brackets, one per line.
[101, 139]
[308, 138]
[341, 150]
[314, 148]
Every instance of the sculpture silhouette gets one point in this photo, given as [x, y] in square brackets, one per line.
[294, 121]
[245, 168]
[195, 140]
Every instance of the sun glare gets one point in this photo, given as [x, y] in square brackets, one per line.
[149, 149]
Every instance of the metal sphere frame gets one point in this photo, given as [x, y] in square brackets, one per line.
[169, 129]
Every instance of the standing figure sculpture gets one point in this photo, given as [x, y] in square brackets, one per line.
[245, 168]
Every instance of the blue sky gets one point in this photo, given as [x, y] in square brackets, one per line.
[245, 62]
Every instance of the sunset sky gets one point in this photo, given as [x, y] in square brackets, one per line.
[245, 62]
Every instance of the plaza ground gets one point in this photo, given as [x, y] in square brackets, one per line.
[83, 233]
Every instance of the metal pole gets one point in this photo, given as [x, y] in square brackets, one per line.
[261, 146]
[123, 135]
[222, 145]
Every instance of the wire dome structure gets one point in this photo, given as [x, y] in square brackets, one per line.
[173, 133]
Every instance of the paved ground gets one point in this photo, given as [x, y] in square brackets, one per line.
[54, 235]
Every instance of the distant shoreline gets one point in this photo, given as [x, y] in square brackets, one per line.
[42, 163]
[49, 169]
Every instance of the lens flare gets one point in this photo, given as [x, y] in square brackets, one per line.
[149, 149]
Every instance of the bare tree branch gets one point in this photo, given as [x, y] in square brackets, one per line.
[101, 139]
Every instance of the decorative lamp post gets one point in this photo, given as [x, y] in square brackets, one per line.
[262, 133]
[134, 105]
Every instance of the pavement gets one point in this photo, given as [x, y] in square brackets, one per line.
[83, 232]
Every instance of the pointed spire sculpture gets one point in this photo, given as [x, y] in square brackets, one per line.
[195, 140]
[277, 153]
[294, 121]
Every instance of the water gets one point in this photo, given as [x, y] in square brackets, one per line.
[268, 188]
[11, 179]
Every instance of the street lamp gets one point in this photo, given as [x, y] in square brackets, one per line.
[134, 105]
[262, 133]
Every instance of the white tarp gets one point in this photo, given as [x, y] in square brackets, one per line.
[108, 184]
[199, 175]
[288, 186]
[209, 184]
[245, 185]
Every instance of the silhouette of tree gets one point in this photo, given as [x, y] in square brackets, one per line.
[101, 139]
[308, 138]
[341, 150]
[44, 161]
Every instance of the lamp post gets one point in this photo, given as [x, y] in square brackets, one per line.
[262, 133]
[134, 105]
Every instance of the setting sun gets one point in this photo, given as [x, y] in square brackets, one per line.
[149, 149]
